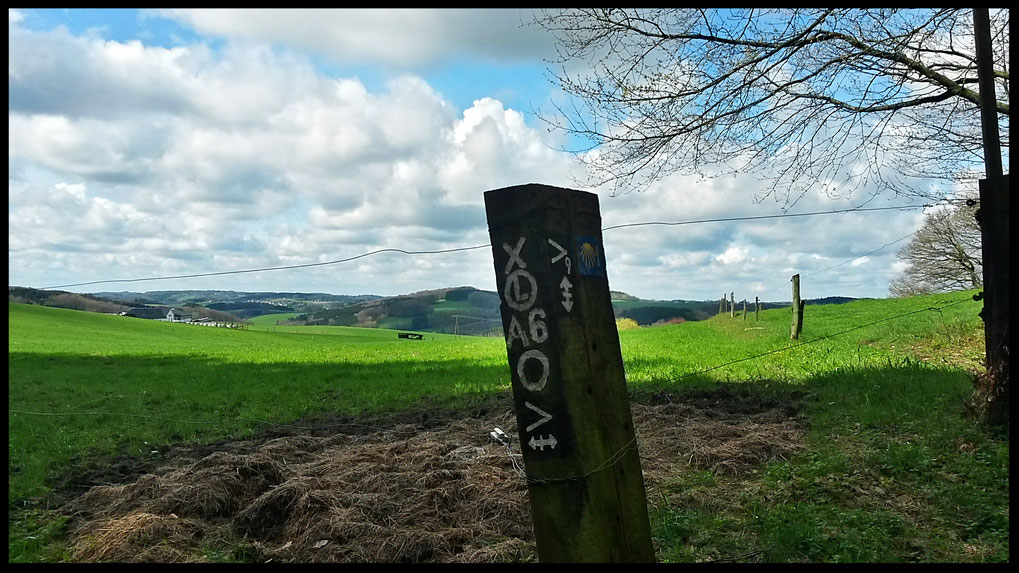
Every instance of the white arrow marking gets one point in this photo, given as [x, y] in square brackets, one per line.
[540, 444]
[545, 416]
[562, 251]
[567, 301]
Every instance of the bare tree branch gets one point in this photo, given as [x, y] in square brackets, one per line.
[876, 98]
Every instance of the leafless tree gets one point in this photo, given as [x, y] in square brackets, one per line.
[827, 99]
[944, 255]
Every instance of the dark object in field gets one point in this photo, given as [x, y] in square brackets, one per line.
[411, 336]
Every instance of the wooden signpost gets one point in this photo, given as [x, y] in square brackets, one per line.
[797, 325]
[579, 448]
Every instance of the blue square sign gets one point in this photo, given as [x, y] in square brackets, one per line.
[589, 255]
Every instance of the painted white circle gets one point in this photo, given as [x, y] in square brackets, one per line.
[513, 283]
[540, 357]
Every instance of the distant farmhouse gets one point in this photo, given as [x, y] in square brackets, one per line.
[178, 315]
[159, 313]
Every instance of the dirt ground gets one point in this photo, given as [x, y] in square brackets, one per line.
[418, 487]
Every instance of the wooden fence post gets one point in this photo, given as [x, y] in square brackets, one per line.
[992, 388]
[992, 385]
[744, 310]
[732, 304]
[576, 432]
[757, 309]
[794, 333]
[721, 304]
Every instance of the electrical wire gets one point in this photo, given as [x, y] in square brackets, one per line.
[460, 249]
[863, 255]
[758, 217]
[305, 265]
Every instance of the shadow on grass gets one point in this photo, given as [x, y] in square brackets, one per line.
[70, 410]
[881, 479]
[894, 469]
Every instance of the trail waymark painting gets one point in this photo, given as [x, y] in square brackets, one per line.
[569, 389]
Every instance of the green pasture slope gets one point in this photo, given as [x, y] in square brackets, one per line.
[272, 319]
[893, 469]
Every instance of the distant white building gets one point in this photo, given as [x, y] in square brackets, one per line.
[178, 315]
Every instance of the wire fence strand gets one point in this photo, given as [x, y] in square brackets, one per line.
[487, 245]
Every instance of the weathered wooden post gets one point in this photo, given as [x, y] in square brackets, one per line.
[794, 333]
[721, 304]
[732, 304]
[744, 310]
[584, 477]
[992, 386]
[757, 309]
[993, 218]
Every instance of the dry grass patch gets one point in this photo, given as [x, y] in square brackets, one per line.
[404, 493]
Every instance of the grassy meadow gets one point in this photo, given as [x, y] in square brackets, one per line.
[272, 319]
[893, 469]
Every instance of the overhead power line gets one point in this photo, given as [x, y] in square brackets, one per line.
[458, 249]
[863, 255]
[305, 265]
[756, 217]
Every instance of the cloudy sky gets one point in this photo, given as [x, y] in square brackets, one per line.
[147, 144]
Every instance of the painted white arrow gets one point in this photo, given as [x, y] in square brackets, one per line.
[545, 416]
[567, 301]
[562, 251]
[540, 444]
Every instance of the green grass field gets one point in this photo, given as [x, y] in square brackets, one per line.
[893, 469]
[272, 319]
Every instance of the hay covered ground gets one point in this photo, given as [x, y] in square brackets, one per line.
[411, 487]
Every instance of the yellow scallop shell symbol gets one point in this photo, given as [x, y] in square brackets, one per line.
[589, 255]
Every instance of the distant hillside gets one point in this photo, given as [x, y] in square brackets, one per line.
[229, 296]
[823, 300]
[467, 310]
[832, 300]
[464, 310]
[651, 312]
[63, 299]
[95, 303]
[620, 295]
[240, 303]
